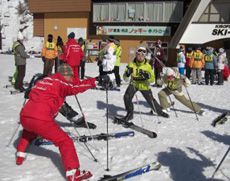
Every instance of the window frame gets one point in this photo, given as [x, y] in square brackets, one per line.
[145, 13]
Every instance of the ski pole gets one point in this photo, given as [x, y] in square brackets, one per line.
[16, 130]
[107, 126]
[14, 133]
[85, 144]
[159, 61]
[217, 168]
[192, 104]
[79, 105]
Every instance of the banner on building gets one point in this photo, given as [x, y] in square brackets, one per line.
[203, 33]
[134, 30]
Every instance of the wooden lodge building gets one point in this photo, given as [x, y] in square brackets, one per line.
[174, 22]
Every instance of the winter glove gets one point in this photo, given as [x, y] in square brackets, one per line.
[145, 75]
[129, 71]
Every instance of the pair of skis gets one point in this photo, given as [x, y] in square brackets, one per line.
[40, 141]
[131, 125]
[132, 173]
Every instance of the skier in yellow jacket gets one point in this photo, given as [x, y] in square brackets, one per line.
[118, 62]
[141, 75]
[49, 54]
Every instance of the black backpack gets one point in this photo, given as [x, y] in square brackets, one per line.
[33, 81]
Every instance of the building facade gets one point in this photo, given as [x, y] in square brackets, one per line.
[133, 22]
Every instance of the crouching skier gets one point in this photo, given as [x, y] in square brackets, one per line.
[66, 110]
[37, 118]
[173, 85]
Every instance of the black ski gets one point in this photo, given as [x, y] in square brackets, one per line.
[110, 89]
[221, 119]
[135, 127]
[25, 84]
[132, 173]
[13, 92]
[40, 141]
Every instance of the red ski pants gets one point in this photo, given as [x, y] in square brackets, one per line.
[49, 130]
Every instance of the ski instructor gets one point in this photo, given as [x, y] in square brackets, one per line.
[142, 75]
[37, 118]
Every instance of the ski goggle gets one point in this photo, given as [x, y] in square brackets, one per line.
[141, 51]
[170, 77]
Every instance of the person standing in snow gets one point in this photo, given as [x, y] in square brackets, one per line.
[158, 54]
[20, 57]
[73, 54]
[221, 61]
[38, 114]
[60, 49]
[197, 63]
[82, 44]
[118, 62]
[49, 54]
[109, 59]
[210, 65]
[189, 57]
[181, 60]
[174, 82]
[141, 75]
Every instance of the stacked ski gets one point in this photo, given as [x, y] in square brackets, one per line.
[110, 89]
[135, 127]
[132, 173]
[84, 138]
[221, 119]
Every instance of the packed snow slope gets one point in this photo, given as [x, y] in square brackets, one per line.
[188, 149]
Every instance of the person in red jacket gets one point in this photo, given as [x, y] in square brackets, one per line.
[73, 54]
[38, 114]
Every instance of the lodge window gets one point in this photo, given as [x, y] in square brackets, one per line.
[217, 11]
[117, 12]
[157, 11]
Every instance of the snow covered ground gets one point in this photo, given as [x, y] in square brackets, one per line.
[189, 150]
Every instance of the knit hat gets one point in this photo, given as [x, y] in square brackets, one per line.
[170, 72]
[65, 70]
[20, 36]
[71, 35]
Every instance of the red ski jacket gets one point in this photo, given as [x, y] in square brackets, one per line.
[48, 95]
[73, 53]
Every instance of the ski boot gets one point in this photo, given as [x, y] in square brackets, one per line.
[79, 121]
[20, 157]
[77, 175]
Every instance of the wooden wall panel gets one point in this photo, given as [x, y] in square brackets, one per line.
[57, 23]
[43, 6]
[38, 25]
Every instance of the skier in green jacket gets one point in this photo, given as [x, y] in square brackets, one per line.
[141, 75]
